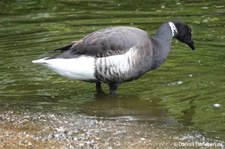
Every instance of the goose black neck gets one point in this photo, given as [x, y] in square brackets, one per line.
[162, 44]
[164, 33]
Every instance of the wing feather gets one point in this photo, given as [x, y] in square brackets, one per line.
[105, 42]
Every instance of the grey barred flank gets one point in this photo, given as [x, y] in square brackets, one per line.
[115, 67]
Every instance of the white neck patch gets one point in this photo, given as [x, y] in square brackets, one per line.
[173, 28]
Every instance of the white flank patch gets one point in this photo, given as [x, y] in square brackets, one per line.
[79, 68]
[116, 64]
[173, 28]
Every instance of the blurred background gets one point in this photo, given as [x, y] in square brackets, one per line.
[188, 89]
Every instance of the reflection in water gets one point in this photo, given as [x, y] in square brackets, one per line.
[129, 108]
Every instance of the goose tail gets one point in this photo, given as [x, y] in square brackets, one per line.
[41, 61]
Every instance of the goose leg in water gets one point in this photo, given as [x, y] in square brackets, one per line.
[99, 87]
[113, 87]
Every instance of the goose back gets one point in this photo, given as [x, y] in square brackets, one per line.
[105, 42]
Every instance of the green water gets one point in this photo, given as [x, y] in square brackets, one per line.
[186, 89]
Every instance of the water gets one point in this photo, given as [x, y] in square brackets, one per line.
[188, 89]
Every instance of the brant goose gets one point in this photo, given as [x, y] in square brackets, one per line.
[116, 54]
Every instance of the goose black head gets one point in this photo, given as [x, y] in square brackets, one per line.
[184, 34]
